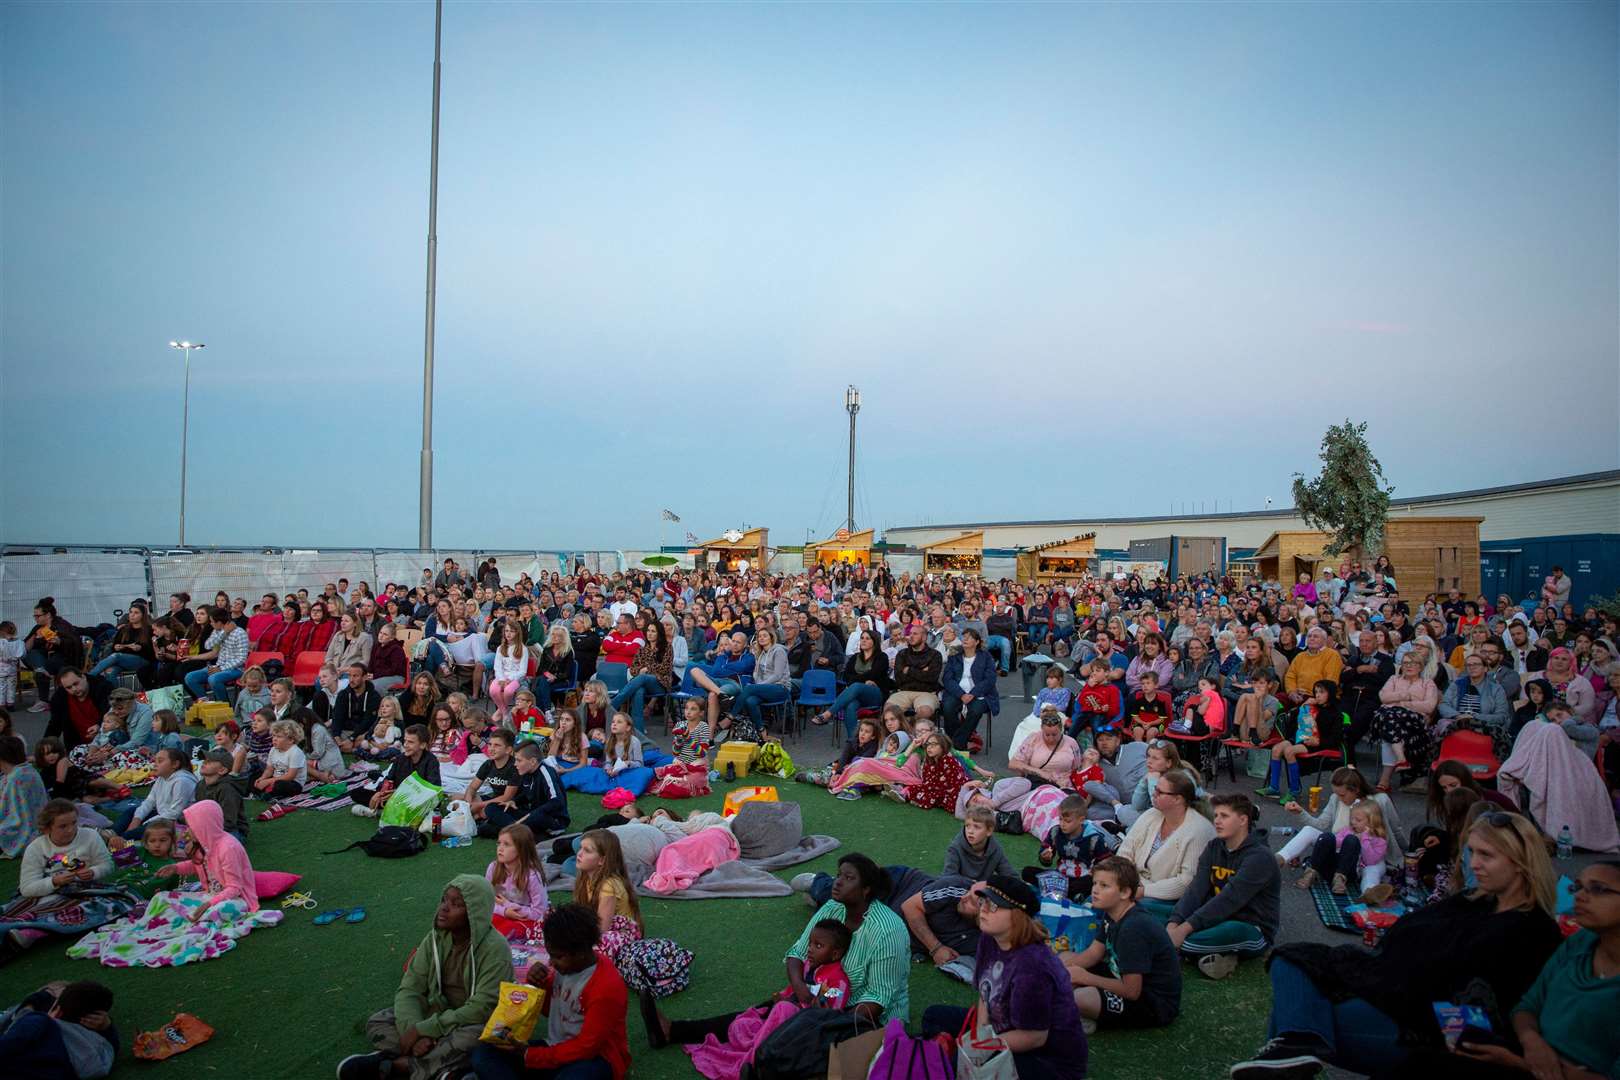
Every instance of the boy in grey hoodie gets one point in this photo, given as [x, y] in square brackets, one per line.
[974, 854]
[1233, 906]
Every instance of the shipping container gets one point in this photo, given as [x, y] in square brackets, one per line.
[1517, 567]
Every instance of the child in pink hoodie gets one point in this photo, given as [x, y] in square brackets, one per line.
[218, 860]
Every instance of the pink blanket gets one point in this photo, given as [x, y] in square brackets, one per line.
[877, 772]
[1565, 788]
[724, 1060]
[687, 859]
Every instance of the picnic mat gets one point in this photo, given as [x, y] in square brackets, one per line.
[738, 878]
[1331, 909]
[311, 801]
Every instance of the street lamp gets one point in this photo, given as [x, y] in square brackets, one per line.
[852, 402]
[185, 427]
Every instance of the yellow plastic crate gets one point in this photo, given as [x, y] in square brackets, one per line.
[208, 714]
[740, 754]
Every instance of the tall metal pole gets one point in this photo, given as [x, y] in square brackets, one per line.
[852, 402]
[185, 444]
[424, 531]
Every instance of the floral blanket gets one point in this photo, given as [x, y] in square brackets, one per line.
[164, 936]
[69, 912]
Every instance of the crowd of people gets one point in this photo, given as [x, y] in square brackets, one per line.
[511, 694]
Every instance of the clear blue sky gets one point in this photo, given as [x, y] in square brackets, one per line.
[669, 235]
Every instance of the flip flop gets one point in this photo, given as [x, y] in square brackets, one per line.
[279, 810]
[325, 918]
[356, 916]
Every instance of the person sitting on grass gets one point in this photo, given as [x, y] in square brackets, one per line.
[499, 773]
[413, 758]
[942, 776]
[219, 862]
[585, 1007]
[65, 780]
[216, 784]
[1318, 725]
[1025, 994]
[1166, 843]
[974, 853]
[520, 888]
[1140, 986]
[1232, 907]
[323, 754]
[602, 884]
[541, 802]
[174, 787]
[451, 984]
[1372, 1011]
[252, 696]
[286, 769]
[60, 1031]
[381, 743]
[1070, 848]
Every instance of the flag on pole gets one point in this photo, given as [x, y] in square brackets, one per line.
[692, 539]
[670, 515]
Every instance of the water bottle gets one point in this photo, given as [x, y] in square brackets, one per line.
[1566, 843]
[1283, 832]
[197, 760]
[456, 841]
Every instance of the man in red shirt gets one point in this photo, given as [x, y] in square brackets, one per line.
[622, 642]
[76, 712]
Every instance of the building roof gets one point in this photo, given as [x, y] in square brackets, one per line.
[1085, 543]
[753, 538]
[969, 543]
[1416, 500]
[852, 542]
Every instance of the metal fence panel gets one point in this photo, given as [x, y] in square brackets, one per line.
[996, 567]
[88, 585]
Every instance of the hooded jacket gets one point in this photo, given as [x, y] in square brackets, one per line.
[231, 794]
[1244, 885]
[225, 867]
[420, 1002]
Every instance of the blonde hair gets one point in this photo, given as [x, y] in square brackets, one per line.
[293, 731]
[1375, 817]
[588, 883]
[1521, 842]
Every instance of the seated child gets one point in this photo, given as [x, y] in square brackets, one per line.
[520, 889]
[381, 743]
[60, 1031]
[286, 768]
[218, 860]
[1130, 975]
[540, 803]
[1054, 693]
[863, 745]
[166, 723]
[1306, 736]
[499, 773]
[1357, 851]
[159, 846]
[228, 740]
[1099, 700]
[688, 774]
[975, 853]
[942, 777]
[1149, 709]
[1205, 711]
[252, 696]
[526, 716]
[1256, 714]
[219, 784]
[258, 741]
[824, 954]
[112, 733]
[1070, 849]
[65, 780]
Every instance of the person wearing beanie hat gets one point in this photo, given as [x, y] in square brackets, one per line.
[1025, 993]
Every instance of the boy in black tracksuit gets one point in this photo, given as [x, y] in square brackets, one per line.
[541, 802]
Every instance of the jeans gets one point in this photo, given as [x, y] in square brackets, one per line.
[200, 681]
[1360, 1038]
[44, 669]
[1035, 1065]
[752, 696]
[1036, 634]
[636, 692]
[851, 700]
[491, 1063]
[116, 664]
[959, 723]
[1003, 650]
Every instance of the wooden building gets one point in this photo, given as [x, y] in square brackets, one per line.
[726, 553]
[962, 554]
[1060, 560]
[843, 547]
[1430, 554]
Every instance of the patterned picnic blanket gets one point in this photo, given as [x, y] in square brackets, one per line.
[69, 912]
[1330, 908]
[310, 801]
[164, 936]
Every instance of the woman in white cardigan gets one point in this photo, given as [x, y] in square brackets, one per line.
[1166, 843]
[1349, 788]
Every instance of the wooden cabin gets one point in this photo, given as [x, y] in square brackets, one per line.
[962, 554]
[1060, 560]
[1430, 554]
[727, 555]
[842, 547]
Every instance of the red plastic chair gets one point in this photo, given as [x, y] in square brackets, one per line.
[1322, 758]
[259, 659]
[1473, 749]
[306, 670]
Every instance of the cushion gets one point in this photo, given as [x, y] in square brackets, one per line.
[764, 829]
[270, 884]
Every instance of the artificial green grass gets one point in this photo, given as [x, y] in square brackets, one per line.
[289, 1002]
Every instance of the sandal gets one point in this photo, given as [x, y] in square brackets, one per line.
[358, 915]
[326, 918]
[1382, 789]
[280, 810]
[821, 719]
[1306, 880]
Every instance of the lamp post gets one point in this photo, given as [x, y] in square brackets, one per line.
[852, 402]
[185, 427]
[424, 524]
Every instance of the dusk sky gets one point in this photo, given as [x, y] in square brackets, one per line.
[1080, 259]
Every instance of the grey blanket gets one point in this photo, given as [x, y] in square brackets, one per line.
[740, 879]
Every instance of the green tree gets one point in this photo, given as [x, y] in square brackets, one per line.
[1349, 498]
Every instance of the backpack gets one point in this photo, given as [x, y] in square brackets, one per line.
[657, 966]
[391, 842]
[774, 759]
[904, 1057]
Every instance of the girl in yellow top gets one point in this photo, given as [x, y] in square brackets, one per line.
[603, 884]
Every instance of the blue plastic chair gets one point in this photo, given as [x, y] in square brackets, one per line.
[612, 675]
[818, 690]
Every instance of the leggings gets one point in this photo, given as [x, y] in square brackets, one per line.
[501, 692]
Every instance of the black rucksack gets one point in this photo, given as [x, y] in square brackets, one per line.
[391, 842]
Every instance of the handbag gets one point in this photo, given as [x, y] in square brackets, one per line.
[980, 1053]
[852, 1058]
[904, 1057]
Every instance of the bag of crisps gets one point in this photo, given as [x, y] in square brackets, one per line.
[517, 1011]
[176, 1037]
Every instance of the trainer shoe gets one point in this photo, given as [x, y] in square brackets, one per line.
[1267, 792]
[363, 811]
[1287, 1057]
[364, 1067]
[802, 882]
[1218, 965]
